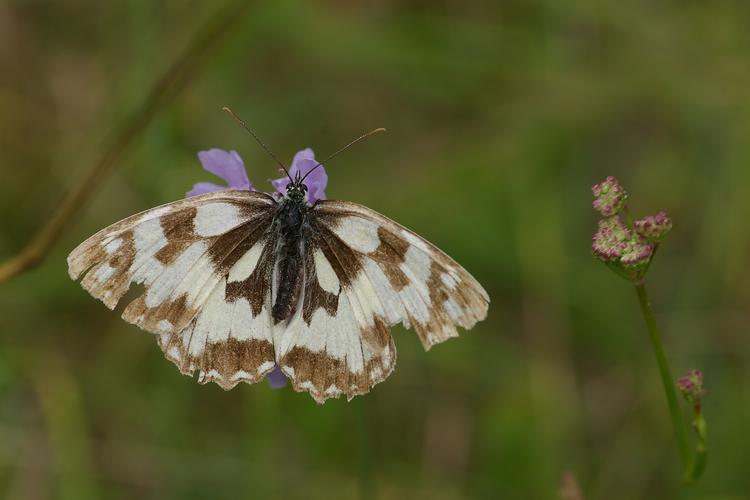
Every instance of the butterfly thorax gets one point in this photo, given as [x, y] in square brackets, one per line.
[290, 224]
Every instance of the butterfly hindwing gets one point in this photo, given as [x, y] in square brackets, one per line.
[334, 344]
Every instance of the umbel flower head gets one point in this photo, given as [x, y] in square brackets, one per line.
[229, 166]
[626, 247]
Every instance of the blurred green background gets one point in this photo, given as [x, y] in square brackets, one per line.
[500, 116]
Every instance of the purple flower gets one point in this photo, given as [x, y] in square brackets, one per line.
[316, 182]
[654, 227]
[276, 377]
[225, 164]
[609, 196]
[229, 166]
[691, 386]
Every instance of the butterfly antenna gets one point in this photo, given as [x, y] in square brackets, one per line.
[368, 134]
[265, 148]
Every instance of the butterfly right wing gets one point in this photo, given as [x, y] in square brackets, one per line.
[188, 255]
[364, 273]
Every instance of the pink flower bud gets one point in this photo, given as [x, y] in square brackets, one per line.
[611, 239]
[691, 386]
[654, 227]
[609, 196]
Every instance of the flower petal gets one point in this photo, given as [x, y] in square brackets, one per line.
[226, 164]
[276, 378]
[281, 183]
[204, 187]
[316, 182]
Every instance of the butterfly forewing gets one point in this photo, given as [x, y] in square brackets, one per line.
[415, 282]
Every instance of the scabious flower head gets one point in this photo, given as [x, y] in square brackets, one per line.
[654, 227]
[229, 166]
[609, 197]
[316, 182]
[691, 386]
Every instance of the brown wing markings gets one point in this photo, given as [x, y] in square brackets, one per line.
[178, 231]
[469, 299]
[148, 318]
[315, 296]
[377, 336]
[257, 287]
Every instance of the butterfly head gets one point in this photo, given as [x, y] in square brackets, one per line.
[296, 190]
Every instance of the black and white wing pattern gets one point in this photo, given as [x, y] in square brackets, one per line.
[189, 255]
[363, 274]
[236, 283]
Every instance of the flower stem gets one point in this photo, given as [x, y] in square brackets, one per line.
[666, 378]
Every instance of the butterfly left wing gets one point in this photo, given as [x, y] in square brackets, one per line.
[364, 273]
[188, 255]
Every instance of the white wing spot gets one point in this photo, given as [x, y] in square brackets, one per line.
[418, 263]
[307, 385]
[360, 234]
[326, 276]
[415, 302]
[244, 267]
[267, 365]
[172, 275]
[332, 389]
[240, 375]
[215, 219]
[112, 246]
[165, 325]
[449, 280]
[154, 214]
[453, 309]
[104, 272]
[415, 240]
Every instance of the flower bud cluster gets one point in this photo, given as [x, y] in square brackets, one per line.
[654, 227]
[629, 248]
[691, 386]
[609, 197]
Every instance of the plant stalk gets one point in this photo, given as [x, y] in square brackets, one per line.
[666, 378]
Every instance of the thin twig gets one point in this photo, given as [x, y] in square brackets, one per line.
[173, 80]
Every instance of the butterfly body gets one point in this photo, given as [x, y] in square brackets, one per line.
[237, 283]
[291, 223]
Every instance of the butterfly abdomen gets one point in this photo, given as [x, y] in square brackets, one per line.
[289, 222]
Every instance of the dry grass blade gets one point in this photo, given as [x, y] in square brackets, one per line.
[174, 79]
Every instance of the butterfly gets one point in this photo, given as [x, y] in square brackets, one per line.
[236, 282]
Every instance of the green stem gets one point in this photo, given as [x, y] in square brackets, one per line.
[699, 463]
[666, 378]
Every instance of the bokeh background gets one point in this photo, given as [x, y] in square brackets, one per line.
[500, 116]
